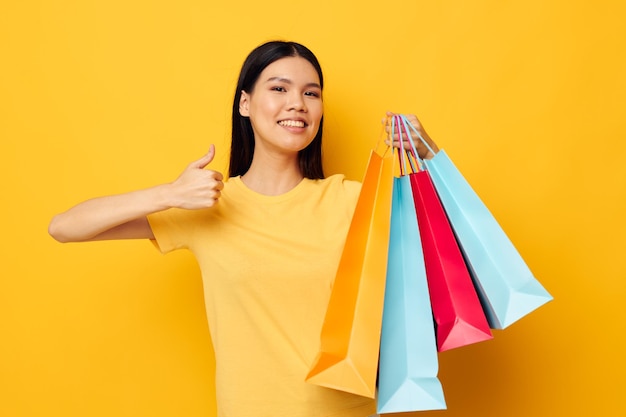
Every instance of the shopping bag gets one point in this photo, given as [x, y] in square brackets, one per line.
[456, 308]
[505, 285]
[408, 352]
[347, 359]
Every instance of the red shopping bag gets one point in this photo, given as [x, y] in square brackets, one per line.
[457, 310]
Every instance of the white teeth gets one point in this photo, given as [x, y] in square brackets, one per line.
[291, 123]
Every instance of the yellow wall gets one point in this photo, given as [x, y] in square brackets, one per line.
[99, 97]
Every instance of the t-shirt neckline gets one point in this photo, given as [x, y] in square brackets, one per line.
[237, 181]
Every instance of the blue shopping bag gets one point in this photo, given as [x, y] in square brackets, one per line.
[506, 287]
[408, 364]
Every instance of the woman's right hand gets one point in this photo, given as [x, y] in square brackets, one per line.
[124, 216]
[197, 187]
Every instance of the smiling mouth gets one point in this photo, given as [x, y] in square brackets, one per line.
[292, 123]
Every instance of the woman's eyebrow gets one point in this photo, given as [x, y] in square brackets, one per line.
[288, 81]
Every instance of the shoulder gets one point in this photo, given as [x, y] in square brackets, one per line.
[337, 189]
[337, 183]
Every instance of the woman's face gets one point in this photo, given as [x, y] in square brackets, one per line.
[285, 106]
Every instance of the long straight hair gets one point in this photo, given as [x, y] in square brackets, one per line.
[242, 142]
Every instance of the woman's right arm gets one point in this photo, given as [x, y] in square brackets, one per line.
[124, 216]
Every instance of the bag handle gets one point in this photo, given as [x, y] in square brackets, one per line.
[395, 126]
[407, 125]
[401, 124]
[381, 140]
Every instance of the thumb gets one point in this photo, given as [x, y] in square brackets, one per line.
[205, 160]
[388, 114]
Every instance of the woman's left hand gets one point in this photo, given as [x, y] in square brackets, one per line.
[422, 150]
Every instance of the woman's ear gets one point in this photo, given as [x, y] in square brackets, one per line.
[244, 103]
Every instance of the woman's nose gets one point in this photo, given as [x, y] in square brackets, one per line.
[296, 102]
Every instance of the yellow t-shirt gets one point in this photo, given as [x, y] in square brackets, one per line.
[268, 264]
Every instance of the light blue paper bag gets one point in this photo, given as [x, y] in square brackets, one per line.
[407, 379]
[507, 288]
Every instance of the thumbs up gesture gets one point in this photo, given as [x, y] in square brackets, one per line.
[197, 187]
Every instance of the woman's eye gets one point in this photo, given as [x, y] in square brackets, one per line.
[312, 94]
[278, 88]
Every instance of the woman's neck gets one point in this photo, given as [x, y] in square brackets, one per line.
[272, 176]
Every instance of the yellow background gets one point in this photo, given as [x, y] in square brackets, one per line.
[100, 97]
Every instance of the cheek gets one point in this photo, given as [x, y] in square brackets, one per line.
[264, 106]
[317, 112]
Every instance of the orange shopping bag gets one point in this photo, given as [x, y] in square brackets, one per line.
[348, 356]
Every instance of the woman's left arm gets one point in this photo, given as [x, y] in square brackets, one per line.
[422, 150]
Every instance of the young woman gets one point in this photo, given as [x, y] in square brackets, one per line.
[267, 241]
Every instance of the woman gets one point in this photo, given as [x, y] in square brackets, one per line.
[267, 241]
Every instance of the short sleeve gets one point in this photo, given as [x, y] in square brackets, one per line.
[169, 229]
